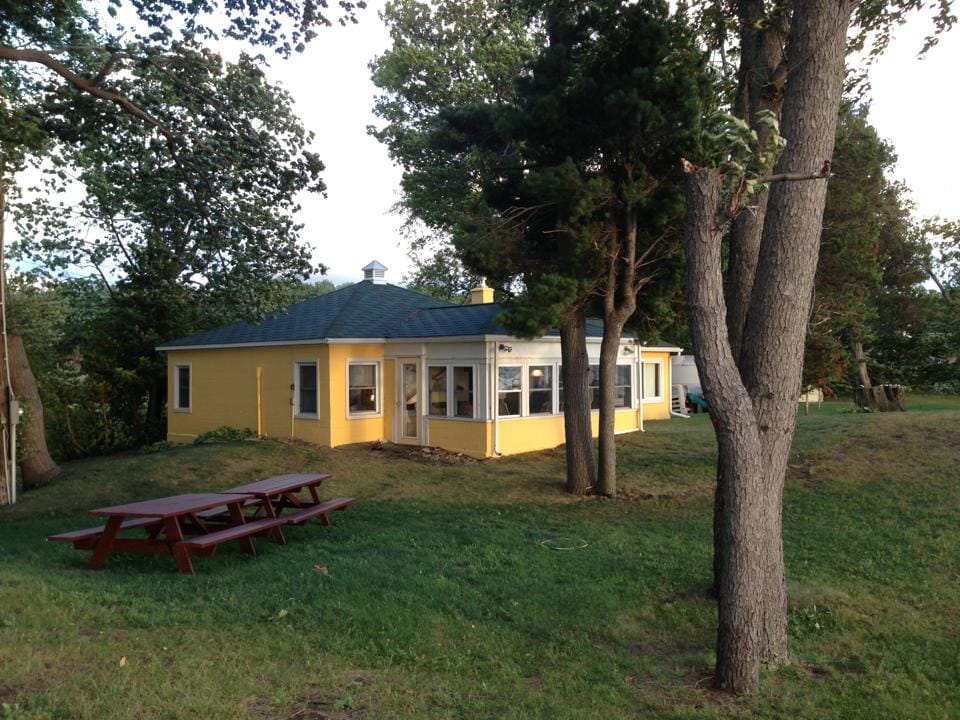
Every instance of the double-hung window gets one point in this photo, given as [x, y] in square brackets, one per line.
[510, 390]
[306, 389]
[652, 380]
[363, 393]
[182, 389]
[438, 390]
[463, 392]
[623, 389]
[540, 390]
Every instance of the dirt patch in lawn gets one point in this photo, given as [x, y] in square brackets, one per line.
[432, 455]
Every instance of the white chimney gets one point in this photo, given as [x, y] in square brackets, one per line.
[374, 272]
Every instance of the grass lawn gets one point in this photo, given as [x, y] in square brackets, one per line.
[443, 595]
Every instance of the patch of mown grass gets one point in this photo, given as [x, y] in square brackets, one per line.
[442, 595]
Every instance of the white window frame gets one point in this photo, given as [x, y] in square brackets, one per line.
[450, 366]
[447, 382]
[554, 390]
[176, 387]
[298, 413]
[452, 391]
[378, 390]
[633, 386]
[643, 390]
[522, 404]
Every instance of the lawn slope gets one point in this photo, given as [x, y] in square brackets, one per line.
[449, 591]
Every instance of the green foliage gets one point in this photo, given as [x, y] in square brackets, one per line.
[530, 176]
[224, 433]
[437, 270]
[159, 446]
[216, 215]
[868, 251]
[918, 342]
[192, 177]
[732, 145]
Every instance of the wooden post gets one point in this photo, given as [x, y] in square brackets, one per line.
[260, 402]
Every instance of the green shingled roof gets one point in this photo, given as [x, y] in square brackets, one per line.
[364, 310]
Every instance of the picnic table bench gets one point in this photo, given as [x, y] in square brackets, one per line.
[214, 518]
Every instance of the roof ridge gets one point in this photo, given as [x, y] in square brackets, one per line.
[462, 306]
[446, 303]
[336, 318]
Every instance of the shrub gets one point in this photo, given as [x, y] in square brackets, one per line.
[224, 434]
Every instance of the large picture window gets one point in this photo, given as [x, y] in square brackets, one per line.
[363, 392]
[463, 392]
[306, 389]
[652, 381]
[510, 388]
[540, 384]
[182, 390]
[438, 391]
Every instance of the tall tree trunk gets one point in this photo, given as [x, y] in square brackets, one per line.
[740, 495]
[607, 446]
[581, 473]
[153, 431]
[860, 357]
[619, 304]
[753, 397]
[761, 76]
[37, 467]
[771, 358]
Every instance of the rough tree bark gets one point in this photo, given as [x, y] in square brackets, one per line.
[619, 304]
[771, 359]
[753, 397]
[36, 465]
[607, 442]
[738, 437]
[581, 472]
[860, 357]
[761, 76]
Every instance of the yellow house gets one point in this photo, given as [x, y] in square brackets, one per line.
[375, 361]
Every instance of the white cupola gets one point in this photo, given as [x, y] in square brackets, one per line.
[375, 273]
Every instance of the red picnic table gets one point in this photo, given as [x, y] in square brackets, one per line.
[275, 494]
[214, 518]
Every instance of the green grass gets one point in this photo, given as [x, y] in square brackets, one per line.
[443, 599]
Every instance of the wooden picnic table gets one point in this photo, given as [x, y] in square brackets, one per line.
[165, 520]
[283, 491]
[209, 518]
